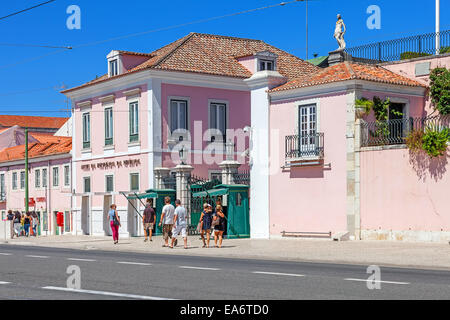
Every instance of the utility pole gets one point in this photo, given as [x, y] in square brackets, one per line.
[306, 1]
[26, 171]
[438, 38]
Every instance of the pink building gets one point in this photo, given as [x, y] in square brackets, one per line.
[325, 176]
[50, 181]
[197, 92]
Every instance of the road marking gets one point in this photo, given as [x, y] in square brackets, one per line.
[77, 259]
[39, 257]
[5, 254]
[198, 268]
[134, 263]
[106, 293]
[279, 274]
[380, 281]
[4, 282]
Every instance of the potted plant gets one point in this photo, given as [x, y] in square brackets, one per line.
[363, 107]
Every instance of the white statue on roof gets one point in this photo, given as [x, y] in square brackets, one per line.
[339, 32]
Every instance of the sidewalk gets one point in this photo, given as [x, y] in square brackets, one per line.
[384, 253]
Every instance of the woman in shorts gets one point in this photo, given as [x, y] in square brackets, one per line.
[219, 228]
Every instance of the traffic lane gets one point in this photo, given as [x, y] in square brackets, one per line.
[171, 281]
[325, 269]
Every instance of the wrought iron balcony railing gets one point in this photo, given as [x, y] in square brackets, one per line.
[304, 146]
[401, 49]
[392, 132]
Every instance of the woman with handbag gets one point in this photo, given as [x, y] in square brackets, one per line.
[206, 220]
[114, 221]
[219, 226]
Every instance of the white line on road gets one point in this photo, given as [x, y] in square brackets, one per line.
[279, 274]
[134, 263]
[39, 257]
[106, 293]
[4, 282]
[380, 281]
[198, 268]
[5, 254]
[77, 259]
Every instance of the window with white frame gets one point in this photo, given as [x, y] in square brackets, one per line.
[307, 126]
[218, 121]
[178, 115]
[108, 126]
[113, 68]
[266, 65]
[86, 130]
[2, 187]
[215, 175]
[87, 184]
[55, 176]
[22, 179]
[109, 183]
[67, 176]
[37, 178]
[14, 181]
[134, 181]
[44, 178]
[134, 121]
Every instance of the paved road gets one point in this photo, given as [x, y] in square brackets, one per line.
[40, 273]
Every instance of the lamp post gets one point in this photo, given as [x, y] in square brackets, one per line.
[438, 18]
[26, 170]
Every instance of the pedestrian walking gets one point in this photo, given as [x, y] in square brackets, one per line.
[10, 218]
[26, 223]
[180, 222]
[219, 228]
[17, 224]
[114, 222]
[35, 222]
[22, 224]
[148, 220]
[167, 221]
[206, 220]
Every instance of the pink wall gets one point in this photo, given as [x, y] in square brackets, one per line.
[407, 68]
[248, 62]
[309, 198]
[238, 118]
[400, 192]
[121, 123]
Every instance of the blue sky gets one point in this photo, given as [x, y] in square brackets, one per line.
[31, 87]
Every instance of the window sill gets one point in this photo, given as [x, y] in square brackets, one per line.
[86, 150]
[108, 147]
[134, 144]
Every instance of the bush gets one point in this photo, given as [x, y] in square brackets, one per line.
[411, 54]
[414, 140]
[435, 141]
[440, 90]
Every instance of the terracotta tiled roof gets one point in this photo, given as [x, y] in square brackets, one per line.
[37, 149]
[214, 55]
[32, 121]
[349, 71]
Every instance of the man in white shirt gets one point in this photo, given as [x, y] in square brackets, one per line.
[167, 220]
[180, 221]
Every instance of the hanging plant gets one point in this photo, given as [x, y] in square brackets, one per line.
[435, 141]
[414, 140]
[440, 90]
[363, 107]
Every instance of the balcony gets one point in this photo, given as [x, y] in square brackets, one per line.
[401, 49]
[304, 147]
[394, 132]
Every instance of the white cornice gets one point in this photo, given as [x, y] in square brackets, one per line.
[343, 86]
[85, 104]
[132, 92]
[169, 77]
[108, 98]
